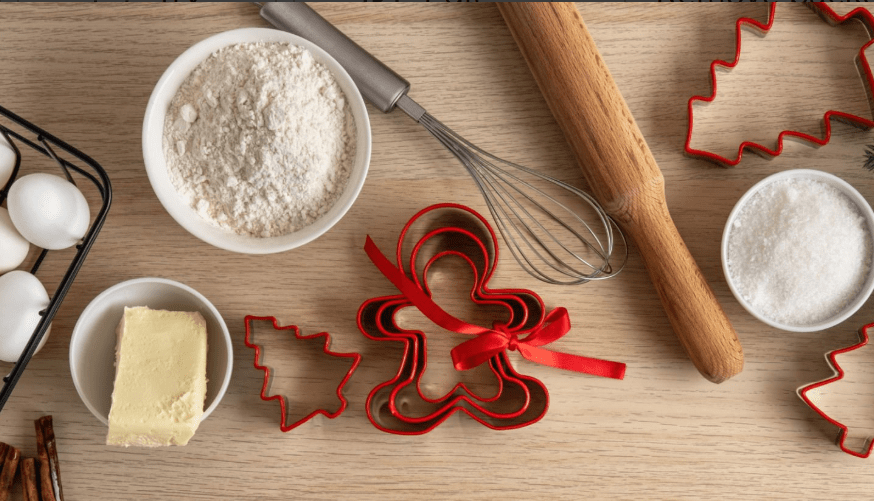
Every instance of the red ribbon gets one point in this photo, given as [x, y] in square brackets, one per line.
[491, 342]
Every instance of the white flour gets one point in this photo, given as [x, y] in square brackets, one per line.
[259, 139]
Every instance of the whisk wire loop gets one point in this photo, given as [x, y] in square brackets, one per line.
[511, 201]
[512, 204]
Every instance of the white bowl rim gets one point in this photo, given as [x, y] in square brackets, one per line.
[184, 215]
[866, 212]
[145, 280]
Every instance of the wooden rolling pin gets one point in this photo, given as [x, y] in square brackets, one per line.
[622, 173]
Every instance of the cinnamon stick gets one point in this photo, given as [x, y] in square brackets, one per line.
[45, 477]
[49, 467]
[28, 479]
[7, 474]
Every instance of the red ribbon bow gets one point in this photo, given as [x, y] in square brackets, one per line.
[490, 342]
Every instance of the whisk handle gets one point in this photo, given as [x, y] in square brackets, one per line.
[622, 173]
[378, 83]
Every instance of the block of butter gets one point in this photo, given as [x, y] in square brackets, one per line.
[160, 378]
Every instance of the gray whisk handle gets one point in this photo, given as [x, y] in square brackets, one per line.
[378, 83]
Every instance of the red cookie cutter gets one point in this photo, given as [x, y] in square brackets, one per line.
[830, 16]
[838, 375]
[356, 359]
[399, 405]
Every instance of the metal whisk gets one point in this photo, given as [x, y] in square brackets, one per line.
[546, 236]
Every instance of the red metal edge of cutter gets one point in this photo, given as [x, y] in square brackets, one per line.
[530, 396]
[459, 231]
[529, 399]
[838, 375]
[826, 13]
[356, 359]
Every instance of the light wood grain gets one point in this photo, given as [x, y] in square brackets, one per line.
[84, 72]
[622, 173]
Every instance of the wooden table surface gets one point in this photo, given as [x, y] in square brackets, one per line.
[85, 72]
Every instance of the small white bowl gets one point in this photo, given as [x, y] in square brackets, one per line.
[864, 210]
[94, 339]
[156, 168]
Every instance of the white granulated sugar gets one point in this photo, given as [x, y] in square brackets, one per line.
[799, 251]
[259, 139]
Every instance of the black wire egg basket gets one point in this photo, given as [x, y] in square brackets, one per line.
[74, 164]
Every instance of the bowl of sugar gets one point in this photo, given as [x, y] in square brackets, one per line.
[256, 141]
[797, 250]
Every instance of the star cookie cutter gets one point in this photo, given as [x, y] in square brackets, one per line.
[830, 16]
[283, 403]
[399, 405]
[838, 375]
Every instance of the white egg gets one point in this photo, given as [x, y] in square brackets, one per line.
[48, 211]
[13, 247]
[22, 297]
[7, 161]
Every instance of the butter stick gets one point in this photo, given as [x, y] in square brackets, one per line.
[160, 380]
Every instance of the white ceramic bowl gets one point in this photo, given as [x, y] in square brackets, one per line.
[864, 210]
[93, 342]
[156, 168]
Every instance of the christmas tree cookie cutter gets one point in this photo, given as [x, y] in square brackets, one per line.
[838, 374]
[284, 425]
[861, 14]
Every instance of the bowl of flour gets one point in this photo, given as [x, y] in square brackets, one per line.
[797, 250]
[256, 141]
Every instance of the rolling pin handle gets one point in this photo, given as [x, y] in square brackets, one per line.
[622, 173]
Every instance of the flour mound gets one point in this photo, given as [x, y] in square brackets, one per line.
[260, 139]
